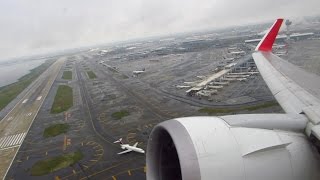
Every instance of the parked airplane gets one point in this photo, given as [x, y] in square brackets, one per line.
[237, 54]
[182, 86]
[247, 146]
[281, 54]
[279, 46]
[128, 147]
[136, 73]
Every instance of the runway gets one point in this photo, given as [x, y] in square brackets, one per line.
[11, 141]
[15, 125]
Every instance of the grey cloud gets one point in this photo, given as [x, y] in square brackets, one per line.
[33, 26]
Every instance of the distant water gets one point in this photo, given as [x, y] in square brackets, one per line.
[10, 72]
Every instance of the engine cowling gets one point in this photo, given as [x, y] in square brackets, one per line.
[209, 148]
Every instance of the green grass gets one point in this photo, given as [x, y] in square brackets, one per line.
[50, 165]
[63, 99]
[212, 111]
[11, 91]
[120, 114]
[67, 75]
[91, 74]
[55, 130]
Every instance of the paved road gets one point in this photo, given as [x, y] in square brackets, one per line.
[15, 125]
[92, 116]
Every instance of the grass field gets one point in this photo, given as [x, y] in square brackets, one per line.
[11, 91]
[213, 111]
[63, 99]
[120, 114]
[91, 74]
[47, 166]
[55, 130]
[67, 75]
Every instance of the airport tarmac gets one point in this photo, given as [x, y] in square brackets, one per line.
[148, 99]
[85, 134]
[305, 54]
[15, 125]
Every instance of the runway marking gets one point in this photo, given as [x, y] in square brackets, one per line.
[24, 101]
[39, 98]
[111, 167]
[99, 150]
[11, 141]
[127, 171]
[90, 143]
[96, 147]
[29, 114]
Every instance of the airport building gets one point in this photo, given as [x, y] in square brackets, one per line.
[226, 73]
[282, 38]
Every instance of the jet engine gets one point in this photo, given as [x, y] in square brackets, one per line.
[239, 147]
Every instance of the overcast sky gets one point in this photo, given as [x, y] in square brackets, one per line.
[33, 26]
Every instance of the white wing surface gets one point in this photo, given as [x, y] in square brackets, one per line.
[294, 88]
[126, 151]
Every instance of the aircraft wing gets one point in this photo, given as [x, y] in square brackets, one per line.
[247, 146]
[135, 145]
[295, 89]
[126, 151]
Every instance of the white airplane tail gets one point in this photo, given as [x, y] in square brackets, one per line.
[118, 141]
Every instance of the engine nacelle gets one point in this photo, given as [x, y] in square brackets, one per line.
[208, 148]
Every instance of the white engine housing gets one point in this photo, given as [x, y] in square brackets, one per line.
[209, 148]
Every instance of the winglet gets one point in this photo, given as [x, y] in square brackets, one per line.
[269, 38]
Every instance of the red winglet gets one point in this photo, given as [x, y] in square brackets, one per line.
[269, 38]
